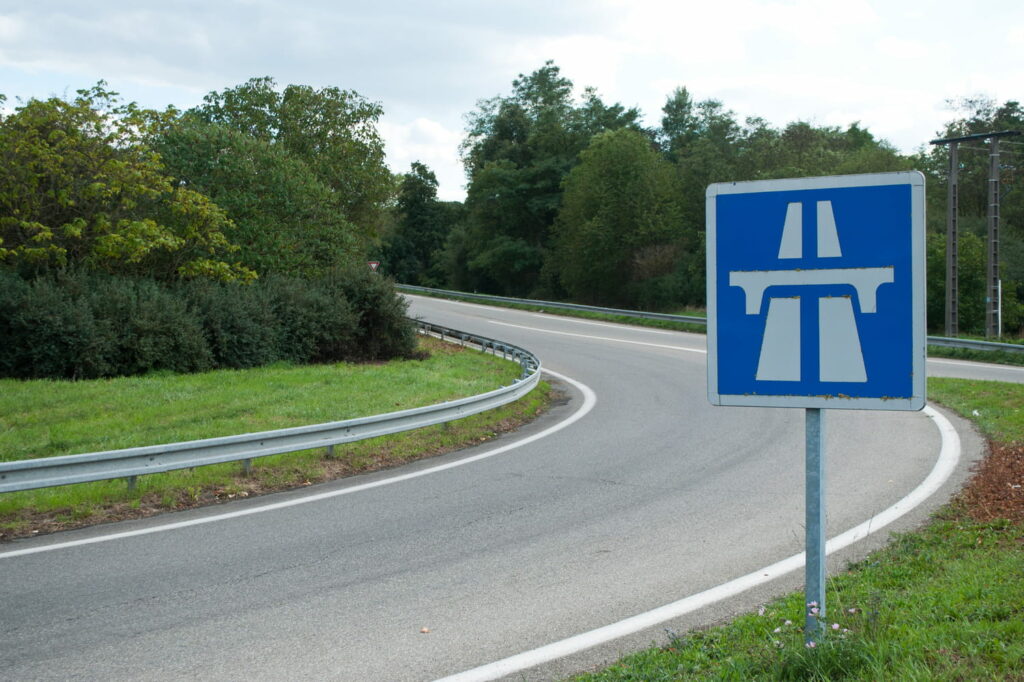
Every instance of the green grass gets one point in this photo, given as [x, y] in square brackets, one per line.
[999, 357]
[999, 406]
[942, 603]
[48, 418]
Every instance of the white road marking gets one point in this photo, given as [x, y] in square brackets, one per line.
[949, 455]
[600, 338]
[467, 303]
[613, 325]
[988, 365]
[589, 400]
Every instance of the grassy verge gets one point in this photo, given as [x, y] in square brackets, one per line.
[998, 357]
[942, 603]
[47, 418]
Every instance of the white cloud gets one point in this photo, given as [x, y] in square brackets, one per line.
[588, 60]
[904, 49]
[887, 64]
[430, 143]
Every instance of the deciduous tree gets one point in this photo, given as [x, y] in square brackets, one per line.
[79, 188]
[619, 226]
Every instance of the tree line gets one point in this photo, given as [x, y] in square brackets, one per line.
[230, 235]
[570, 197]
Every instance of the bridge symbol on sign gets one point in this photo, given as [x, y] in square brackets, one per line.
[816, 292]
[839, 348]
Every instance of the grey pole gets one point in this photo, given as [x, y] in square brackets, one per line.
[992, 302]
[814, 569]
[952, 243]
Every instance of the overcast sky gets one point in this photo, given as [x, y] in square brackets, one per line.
[889, 64]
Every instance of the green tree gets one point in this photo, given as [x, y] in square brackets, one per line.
[421, 227]
[679, 125]
[79, 188]
[517, 152]
[707, 144]
[333, 131]
[285, 219]
[971, 281]
[618, 231]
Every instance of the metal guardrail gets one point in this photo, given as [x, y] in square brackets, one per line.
[129, 463]
[932, 340]
[974, 344]
[553, 304]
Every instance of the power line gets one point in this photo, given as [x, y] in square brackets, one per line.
[977, 136]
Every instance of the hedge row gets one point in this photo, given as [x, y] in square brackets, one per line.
[87, 325]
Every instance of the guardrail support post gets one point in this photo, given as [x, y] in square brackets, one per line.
[132, 483]
[330, 452]
[247, 466]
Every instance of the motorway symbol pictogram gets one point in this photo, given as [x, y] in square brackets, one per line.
[816, 292]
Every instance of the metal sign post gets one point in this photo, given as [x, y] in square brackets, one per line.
[816, 300]
[814, 514]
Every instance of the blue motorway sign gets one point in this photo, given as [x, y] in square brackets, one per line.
[816, 292]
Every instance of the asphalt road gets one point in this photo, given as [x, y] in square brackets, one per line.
[650, 496]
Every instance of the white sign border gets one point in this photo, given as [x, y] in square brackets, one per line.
[916, 181]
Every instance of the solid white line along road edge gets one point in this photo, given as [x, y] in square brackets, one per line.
[968, 363]
[613, 325]
[949, 455]
[589, 400]
[601, 338]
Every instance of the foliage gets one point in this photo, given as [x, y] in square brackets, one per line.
[332, 131]
[285, 218]
[382, 331]
[300, 172]
[411, 252]
[618, 231]
[80, 189]
[82, 325]
[971, 282]
[517, 151]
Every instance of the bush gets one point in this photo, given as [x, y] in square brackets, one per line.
[46, 332]
[382, 330]
[83, 326]
[237, 321]
[148, 327]
[314, 325]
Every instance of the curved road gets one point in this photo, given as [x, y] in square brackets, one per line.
[648, 497]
